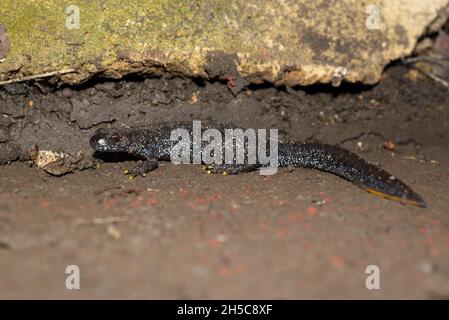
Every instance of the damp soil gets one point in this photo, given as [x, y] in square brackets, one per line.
[181, 233]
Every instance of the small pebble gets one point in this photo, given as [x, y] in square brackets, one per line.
[113, 232]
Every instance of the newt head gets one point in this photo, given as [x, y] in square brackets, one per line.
[111, 140]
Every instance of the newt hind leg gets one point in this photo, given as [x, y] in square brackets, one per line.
[230, 168]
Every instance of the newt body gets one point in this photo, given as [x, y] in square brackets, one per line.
[153, 144]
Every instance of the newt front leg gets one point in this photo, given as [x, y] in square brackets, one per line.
[142, 168]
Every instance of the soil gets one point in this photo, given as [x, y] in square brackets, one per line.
[180, 233]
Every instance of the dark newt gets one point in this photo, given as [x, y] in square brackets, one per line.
[153, 144]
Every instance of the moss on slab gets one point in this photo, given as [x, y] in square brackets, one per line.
[284, 41]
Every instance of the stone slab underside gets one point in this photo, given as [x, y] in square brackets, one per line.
[291, 42]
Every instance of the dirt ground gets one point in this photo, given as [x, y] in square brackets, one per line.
[180, 233]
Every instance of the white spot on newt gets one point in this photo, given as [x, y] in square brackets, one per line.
[102, 142]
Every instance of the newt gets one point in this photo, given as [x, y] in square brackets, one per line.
[153, 144]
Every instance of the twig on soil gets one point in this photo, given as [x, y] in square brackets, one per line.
[435, 78]
[431, 60]
[37, 76]
[413, 60]
[107, 189]
[106, 220]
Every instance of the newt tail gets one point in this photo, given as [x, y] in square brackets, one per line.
[348, 165]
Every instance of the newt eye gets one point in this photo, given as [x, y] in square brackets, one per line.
[115, 137]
